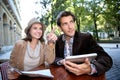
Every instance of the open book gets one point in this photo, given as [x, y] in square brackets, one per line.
[41, 73]
[81, 58]
[37, 73]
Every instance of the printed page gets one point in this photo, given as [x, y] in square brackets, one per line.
[41, 73]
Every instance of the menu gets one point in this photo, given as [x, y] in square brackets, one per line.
[36, 73]
[41, 73]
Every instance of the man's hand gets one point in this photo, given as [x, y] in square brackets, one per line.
[78, 69]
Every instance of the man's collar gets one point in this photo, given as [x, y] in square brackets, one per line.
[63, 37]
[71, 39]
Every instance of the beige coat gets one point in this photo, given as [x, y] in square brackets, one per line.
[47, 53]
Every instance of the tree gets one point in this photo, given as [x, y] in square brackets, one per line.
[96, 8]
[111, 15]
[90, 15]
[78, 10]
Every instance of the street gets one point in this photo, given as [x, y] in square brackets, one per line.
[113, 73]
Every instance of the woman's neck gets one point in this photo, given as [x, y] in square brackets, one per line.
[33, 43]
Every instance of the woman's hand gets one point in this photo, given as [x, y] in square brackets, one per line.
[12, 75]
[51, 37]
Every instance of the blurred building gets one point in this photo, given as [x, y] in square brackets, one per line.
[10, 27]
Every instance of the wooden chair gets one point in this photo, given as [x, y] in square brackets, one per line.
[3, 70]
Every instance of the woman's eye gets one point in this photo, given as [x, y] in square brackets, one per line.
[40, 28]
[34, 28]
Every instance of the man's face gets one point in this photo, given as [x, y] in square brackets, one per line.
[68, 26]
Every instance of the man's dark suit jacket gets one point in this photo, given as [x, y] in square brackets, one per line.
[84, 43]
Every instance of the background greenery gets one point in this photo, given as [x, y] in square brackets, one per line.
[92, 15]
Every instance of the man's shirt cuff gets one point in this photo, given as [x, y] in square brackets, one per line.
[93, 71]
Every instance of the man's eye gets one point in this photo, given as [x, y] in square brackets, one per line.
[65, 24]
[72, 21]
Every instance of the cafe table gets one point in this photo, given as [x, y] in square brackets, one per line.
[59, 73]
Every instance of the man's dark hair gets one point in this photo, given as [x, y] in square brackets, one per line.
[64, 14]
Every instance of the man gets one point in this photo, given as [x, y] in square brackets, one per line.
[77, 43]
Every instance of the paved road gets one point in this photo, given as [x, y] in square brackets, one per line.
[113, 51]
[114, 72]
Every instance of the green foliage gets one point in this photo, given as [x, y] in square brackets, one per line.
[111, 16]
[92, 15]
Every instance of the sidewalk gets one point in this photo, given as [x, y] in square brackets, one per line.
[110, 45]
[6, 49]
[114, 72]
[5, 53]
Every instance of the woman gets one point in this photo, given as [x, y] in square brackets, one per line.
[32, 51]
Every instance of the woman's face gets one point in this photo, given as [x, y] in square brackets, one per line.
[36, 31]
